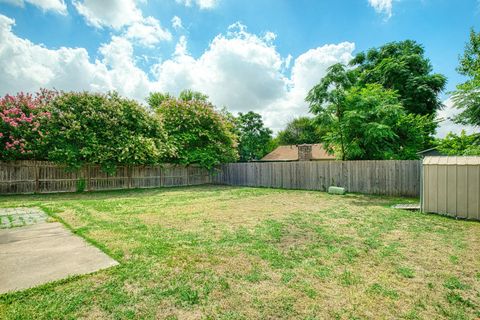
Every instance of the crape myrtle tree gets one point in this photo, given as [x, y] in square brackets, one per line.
[254, 139]
[21, 129]
[365, 122]
[199, 133]
[403, 67]
[299, 131]
[103, 129]
[467, 95]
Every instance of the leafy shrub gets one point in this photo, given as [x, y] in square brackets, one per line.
[20, 125]
[199, 133]
[103, 129]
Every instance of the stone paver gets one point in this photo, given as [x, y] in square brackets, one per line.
[19, 217]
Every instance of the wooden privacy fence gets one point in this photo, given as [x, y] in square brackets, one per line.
[400, 178]
[385, 177]
[47, 177]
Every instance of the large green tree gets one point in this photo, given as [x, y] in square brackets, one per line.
[327, 102]
[467, 95]
[365, 122]
[300, 130]
[403, 67]
[254, 139]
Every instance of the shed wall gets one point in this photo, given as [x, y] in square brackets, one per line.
[451, 186]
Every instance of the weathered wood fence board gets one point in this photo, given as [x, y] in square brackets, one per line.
[386, 177]
[47, 177]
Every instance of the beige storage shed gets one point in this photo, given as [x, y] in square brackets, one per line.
[451, 186]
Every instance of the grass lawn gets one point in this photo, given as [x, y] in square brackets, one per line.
[216, 252]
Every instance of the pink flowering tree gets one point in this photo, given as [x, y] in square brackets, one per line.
[21, 118]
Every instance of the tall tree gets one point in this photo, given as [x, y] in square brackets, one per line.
[365, 122]
[467, 95]
[327, 102]
[368, 124]
[301, 130]
[403, 67]
[254, 138]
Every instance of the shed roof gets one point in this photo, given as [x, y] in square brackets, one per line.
[427, 150]
[452, 160]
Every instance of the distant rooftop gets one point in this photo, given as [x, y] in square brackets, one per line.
[290, 153]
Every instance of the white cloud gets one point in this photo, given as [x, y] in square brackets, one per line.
[245, 72]
[269, 36]
[239, 70]
[123, 74]
[27, 67]
[307, 70]
[382, 6]
[120, 14]
[109, 13]
[177, 23]
[148, 32]
[57, 6]
[202, 4]
[447, 125]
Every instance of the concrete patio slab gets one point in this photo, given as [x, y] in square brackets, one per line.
[43, 252]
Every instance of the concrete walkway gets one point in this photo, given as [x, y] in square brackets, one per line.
[43, 252]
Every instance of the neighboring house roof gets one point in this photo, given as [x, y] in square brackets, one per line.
[290, 153]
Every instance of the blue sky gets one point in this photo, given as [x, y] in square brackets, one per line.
[260, 55]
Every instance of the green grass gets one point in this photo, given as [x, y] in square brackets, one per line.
[216, 252]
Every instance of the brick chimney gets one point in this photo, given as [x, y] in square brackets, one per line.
[304, 152]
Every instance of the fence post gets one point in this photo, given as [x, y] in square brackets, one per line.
[37, 178]
[87, 176]
[129, 176]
